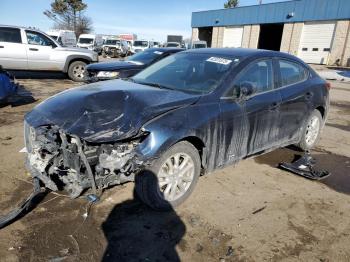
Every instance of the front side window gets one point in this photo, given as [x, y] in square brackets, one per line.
[292, 73]
[188, 72]
[10, 35]
[258, 77]
[35, 38]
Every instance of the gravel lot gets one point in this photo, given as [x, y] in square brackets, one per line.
[250, 212]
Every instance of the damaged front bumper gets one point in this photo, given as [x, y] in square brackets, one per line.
[65, 162]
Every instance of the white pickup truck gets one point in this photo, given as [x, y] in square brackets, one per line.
[30, 49]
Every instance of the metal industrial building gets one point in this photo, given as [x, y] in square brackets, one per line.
[317, 31]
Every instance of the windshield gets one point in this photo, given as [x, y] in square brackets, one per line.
[172, 45]
[141, 43]
[200, 46]
[112, 42]
[188, 72]
[86, 40]
[145, 57]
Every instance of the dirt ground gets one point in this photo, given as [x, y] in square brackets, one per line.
[250, 212]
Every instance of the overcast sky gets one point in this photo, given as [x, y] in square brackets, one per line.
[151, 19]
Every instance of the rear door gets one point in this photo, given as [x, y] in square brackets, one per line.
[40, 50]
[13, 53]
[296, 97]
[262, 107]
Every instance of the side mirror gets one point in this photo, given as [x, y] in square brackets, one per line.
[247, 89]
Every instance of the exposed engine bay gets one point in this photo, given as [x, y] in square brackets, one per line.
[65, 162]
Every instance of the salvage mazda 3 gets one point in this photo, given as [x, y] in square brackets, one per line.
[186, 115]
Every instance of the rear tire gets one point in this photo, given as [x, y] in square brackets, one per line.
[311, 131]
[76, 71]
[177, 169]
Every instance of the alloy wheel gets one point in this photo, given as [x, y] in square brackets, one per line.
[175, 176]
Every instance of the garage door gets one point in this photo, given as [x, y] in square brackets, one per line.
[316, 42]
[233, 36]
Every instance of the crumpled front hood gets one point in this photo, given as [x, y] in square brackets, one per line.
[106, 111]
[112, 66]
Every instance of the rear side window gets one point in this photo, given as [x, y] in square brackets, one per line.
[10, 35]
[292, 73]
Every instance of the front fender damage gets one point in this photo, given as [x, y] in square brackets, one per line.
[66, 162]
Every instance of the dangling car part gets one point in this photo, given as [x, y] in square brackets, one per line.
[24, 206]
[186, 115]
[305, 167]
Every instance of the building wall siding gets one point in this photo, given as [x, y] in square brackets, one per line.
[195, 33]
[246, 36]
[303, 10]
[218, 37]
[254, 36]
[339, 43]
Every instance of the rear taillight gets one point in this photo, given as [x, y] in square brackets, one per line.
[328, 86]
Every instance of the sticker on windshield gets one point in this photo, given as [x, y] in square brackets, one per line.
[219, 60]
[158, 52]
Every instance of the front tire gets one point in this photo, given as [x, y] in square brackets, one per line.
[311, 131]
[76, 71]
[170, 179]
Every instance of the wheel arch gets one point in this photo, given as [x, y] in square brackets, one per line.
[75, 58]
[322, 110]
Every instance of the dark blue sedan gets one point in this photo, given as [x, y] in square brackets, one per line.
[129, 67]
[186, 115]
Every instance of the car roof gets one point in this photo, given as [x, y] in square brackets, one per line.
[166, 49]
[243, 52]
[21, 27]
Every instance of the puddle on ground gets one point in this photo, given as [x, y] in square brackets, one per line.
[338, 166]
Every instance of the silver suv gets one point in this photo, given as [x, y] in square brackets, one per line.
[30, 49]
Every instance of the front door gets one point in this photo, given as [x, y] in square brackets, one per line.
[40, 52]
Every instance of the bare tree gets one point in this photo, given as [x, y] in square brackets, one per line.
[69, 15]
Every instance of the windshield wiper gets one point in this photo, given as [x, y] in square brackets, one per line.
[155, 85]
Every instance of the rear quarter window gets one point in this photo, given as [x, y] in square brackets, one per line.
[10, 35]
[292, 73]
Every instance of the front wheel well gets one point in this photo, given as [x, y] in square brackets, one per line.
[321, 110]
[78, 59]
[197, 143]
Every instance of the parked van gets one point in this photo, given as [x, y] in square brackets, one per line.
[140, 45]
[63, 37]
[91, 42]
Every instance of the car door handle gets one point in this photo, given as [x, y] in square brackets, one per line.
[308, 95]
[274, 106]
[1, 46]
[33, 49]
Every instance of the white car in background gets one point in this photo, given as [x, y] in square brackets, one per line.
[140, 46]
[91, 42]
[63, 37]
[30, 49]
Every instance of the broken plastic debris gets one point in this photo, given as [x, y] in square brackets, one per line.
[304, 167]
[92, 198]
